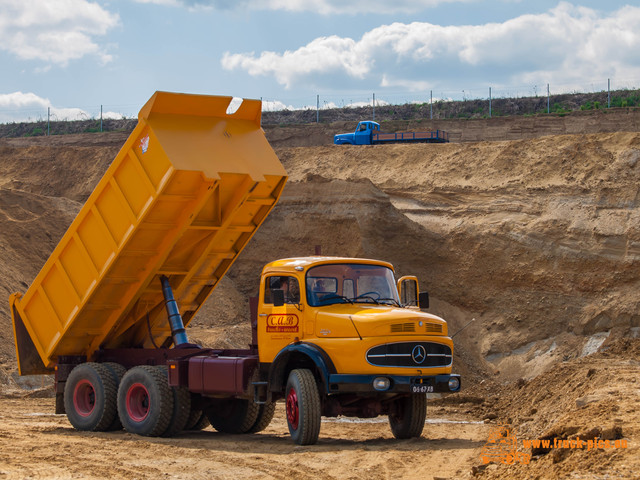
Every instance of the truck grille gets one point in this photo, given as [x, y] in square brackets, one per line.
[403, 327]
[410, 354]
[433, 328]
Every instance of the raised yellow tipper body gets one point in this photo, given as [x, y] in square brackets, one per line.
[183, 196]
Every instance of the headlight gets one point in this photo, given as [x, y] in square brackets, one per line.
[381, 383]
[454, 384]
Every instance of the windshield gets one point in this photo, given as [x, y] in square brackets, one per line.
[351, 283]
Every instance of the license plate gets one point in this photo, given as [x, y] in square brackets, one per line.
[421, 388]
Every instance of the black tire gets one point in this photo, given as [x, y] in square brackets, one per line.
[265, 415]
[145, 401]
[303, 407]
[90, 397]
[181, 409]
[118, 372]
[197, 420]
[232, 415]
[408, 419]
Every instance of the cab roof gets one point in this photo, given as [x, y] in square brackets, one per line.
[304, 263]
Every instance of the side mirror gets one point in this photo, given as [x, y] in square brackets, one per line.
[278, 297]
[423, 299]
[408, 291]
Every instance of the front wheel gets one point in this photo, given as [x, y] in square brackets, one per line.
[407, 421]
[303, 407]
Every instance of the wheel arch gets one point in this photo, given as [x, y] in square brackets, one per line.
[300, 355]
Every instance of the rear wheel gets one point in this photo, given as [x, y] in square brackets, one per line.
[233, 415]
[265, 415]
[197, 420]
[303, 407]
[181, 409]
[118, 372]
[90, 397]
[145, 401]
[408, 419]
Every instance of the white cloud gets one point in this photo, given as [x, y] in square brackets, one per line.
[323, 55]
[169, 3]
[566, 45]
[410, 85]
[29, 107]
[324, 7]
[54, 32]
[275, 106]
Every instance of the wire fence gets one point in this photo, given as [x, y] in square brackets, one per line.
[383, 98]
[386, 105]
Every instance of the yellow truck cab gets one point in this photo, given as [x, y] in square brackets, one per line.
[357, 335]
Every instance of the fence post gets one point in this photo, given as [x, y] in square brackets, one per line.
[608, 93]
[548, 100]
[317, 108]
[374, 107]
[431, 106]
[100, 118]
[48, 119]
[489, 102]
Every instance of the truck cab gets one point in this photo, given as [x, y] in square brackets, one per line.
[362, 136]
[358, 334]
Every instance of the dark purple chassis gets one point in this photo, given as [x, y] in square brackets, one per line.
[237, 373]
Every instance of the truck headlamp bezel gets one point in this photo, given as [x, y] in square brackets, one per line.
[381, 384]
[454, 384]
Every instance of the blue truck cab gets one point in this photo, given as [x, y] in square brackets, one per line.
[362, 136]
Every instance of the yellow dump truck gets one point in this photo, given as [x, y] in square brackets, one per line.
[107, 312]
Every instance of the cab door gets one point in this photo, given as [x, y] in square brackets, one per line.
[363, 134]
[278, 326]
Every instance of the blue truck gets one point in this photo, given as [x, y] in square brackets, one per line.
[368, 133]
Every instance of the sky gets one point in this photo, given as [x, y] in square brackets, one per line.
[74, 57]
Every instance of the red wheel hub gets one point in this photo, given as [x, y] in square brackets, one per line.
[137, 402]
[293, 411]
[84, 398]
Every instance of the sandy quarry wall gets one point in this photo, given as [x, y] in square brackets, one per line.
[538, 239]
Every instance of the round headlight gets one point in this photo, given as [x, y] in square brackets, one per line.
[454, 383]
[381, 383]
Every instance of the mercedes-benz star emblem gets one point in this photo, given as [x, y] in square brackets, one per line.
[418, 354]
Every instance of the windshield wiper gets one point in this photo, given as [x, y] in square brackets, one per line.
[391, 301]
[368, 297]
[333, 297]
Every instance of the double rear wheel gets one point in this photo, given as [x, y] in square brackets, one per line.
[90, 397]
[148, 406]
[105, 396]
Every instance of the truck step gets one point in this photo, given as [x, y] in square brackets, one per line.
[260, 392]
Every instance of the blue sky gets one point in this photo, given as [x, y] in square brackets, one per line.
[74, 55]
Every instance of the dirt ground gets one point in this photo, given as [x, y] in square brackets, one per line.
[38, 444]
[537, 239]
[597, 396]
